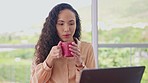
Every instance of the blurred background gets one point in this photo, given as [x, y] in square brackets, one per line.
[122, 33]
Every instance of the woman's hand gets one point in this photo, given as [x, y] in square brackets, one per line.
[55, 53]
[75, 51]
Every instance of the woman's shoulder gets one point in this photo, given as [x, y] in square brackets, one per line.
[83, 44]
[86, 47]
[86, 44]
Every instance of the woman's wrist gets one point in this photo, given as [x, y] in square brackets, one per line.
[46, 66]
[80, 67]
[49, 62]
[49, 65]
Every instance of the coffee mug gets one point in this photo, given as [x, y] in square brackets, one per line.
[65, 49]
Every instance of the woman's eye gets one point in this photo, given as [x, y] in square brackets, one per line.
[71, 23]
[60, 24]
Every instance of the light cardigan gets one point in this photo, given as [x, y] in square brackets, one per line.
[64, 69]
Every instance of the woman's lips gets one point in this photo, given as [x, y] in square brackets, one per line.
[67, 35]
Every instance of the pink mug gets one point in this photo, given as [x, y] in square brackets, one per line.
[65, 49]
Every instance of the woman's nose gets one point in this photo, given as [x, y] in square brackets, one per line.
[66, 28]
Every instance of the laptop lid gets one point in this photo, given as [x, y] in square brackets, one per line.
[113, 75]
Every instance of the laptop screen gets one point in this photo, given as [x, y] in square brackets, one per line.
[113, 75]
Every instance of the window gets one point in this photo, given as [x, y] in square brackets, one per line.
[123, 30]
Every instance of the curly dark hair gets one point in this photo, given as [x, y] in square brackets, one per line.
[49, 36]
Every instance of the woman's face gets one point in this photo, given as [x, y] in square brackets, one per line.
[66, 25]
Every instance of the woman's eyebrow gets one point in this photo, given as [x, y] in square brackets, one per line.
[64, 21]
[71, 21]
[60, 21]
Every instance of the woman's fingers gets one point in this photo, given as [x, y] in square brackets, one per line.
[74, 44]
[75, 51]
[59, 44]
[56, 51]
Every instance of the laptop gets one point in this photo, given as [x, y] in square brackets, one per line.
[113, 75]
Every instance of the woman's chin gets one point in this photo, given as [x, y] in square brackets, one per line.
[67, 40]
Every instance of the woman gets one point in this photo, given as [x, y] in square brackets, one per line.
[49, 64]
